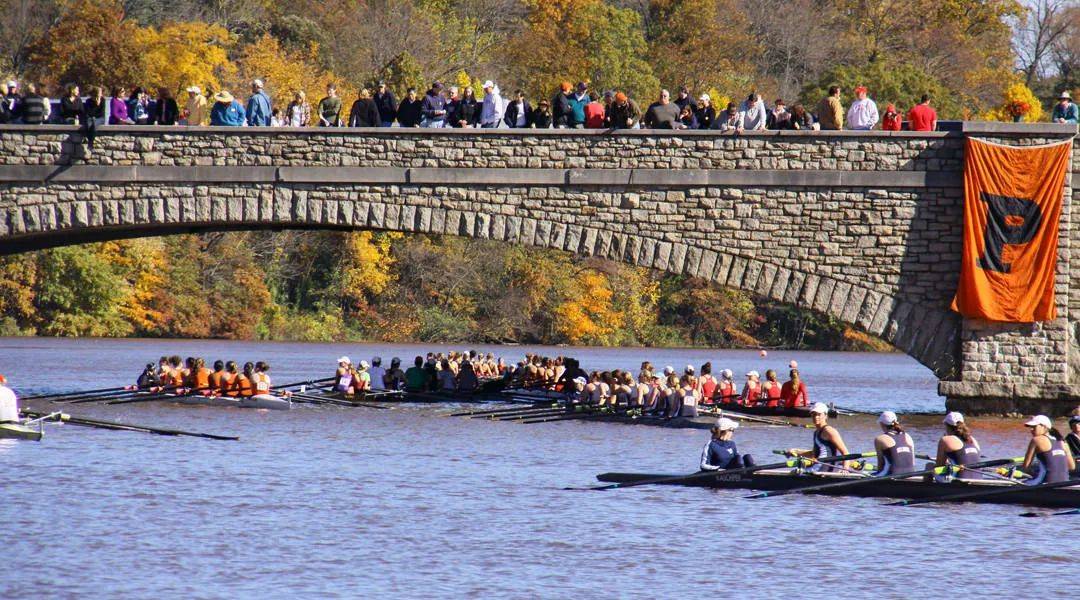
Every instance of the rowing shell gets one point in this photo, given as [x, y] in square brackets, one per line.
[764, 411]
[915, 488]
[18, 431]
[263, 402]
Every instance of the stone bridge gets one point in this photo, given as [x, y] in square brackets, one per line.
[865, 227]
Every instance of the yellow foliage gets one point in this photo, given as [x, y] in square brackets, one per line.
[589, 317]
[368, 265]
[284, 73]
[1017, 92]
[178, 55]
[142, 263]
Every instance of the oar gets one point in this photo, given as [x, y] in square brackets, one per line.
[750, 418]
[986, 494]
[792, 462]
[75, 393]
[65, 418]
[335, 401]
[551, 412]
[308, 382]
[1074, 511]
[476, 413]
[870, 479]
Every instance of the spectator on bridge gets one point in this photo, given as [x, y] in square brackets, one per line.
[386, 103]
[259, 107]
[705, 113]
[5, 108]
[166, 112]
[753, 115]
[922, 117]
[519, 113]
[434, 107]
[138, 109]
[330, 108]
[891, 119]
[71, 106]
[410, 111]
[863, 114]
[778, 117]
[541, 116]
[561, 113]
[595, 115]
[830, 112]
[118, 108]
[1065, 111]
[275, 118]
[468, 110]
[227, 112]
[491, 113]
[364, 113]
[453, 99]
[11, 100]
[728, 119]
[687, 118]
[802, 119]
[683, 100]
[195, 108]
[578, 101]
[662, 114]
[298, 113]
[93, 115]
[34, 109]
[624, 113]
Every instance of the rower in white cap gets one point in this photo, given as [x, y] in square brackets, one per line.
[725, 391]
[1048, 460]
[720, 452]
[343, 377]
[895, 448]
[751, 391]
[958, 448]
[827, 440]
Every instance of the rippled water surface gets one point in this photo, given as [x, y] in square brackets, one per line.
[329, 502]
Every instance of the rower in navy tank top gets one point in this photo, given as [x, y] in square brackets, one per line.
[957, 448]
[1048, 460]
[895, 448]
[1072, 439]
[827, 440]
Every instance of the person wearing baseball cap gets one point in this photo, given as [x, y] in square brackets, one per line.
[1072, 439]
[1047, 459]
[827, 440]
[751, 392]
[720, 452]
[344, 377]
[725, 391]
[895, 448]
[362, 377]
[957, 448]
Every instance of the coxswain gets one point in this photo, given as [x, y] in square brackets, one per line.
[149, 378]
[725, 391]
[1072, 439]
[751, 391]
[707, 383]
[216, 378]
[827, 440]
[343, 377]
[957, 448]
[1047, 459]
[895, 448]
[377, 373]
[228, 380]
[771, 390]
[9, 403]
[721, 453]
[794, 391]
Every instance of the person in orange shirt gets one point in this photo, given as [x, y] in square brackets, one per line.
[242, 383]
[228, 380]
[215, 380]
[200, 378]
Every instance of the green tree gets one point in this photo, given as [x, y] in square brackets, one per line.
[899, 83]
[79, 294]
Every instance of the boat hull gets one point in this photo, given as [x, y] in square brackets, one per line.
[763, 411]
[265, 402]
[917, 488]
[16, 431]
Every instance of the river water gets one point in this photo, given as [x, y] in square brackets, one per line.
[324, 502]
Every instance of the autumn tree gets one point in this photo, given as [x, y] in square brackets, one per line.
[22, 22]
[91, 44]
[177, 55]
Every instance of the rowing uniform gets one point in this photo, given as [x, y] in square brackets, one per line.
[900, 458]
[771, 394]
[794, 398]
[726, 391]
[344, 381]
[1073, 442]
[1051, 466]
[688, 403]
[227, 381]
[241, 386]
[9, 405]
[823, 448]
[966, 455]
[751, 392]
[708, 388]
[721, 454]
[261, 382]
[215, 380]
[201, 380]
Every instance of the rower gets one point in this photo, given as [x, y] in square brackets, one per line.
[242, 383]
[395, 377]
[751, 391]
[827, 440]
[9, 403]
[794, 391]
[725, 391]
[720, 452]
[688, 397]
[416, 379]
[377, 373]
[200, 378]
[1072, 439]
[467, 379]
[770, 390]
[447, 382]
[228, 379]
[217, 377]
[343, 377]
[707, 383]
[260, 379]
[1047, 459]
[895, 449]
[957, 447]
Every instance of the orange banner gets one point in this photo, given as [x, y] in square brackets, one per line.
[1012, 207]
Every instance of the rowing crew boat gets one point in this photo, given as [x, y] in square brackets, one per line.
[20, 431]
[915, 488]
[263, 402]
[799, 412]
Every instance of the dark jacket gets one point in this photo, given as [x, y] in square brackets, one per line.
[434, 107]
[71, 110]
[617, 115]
[468, 110]
[511, 116]
[541, 119]
[166, 112]
[409, 113]
[661, 116]
[705, 117]
[387, 105]
[364, 113]
[561, 113]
